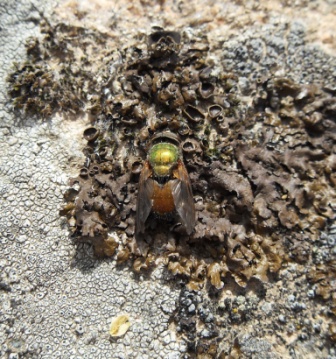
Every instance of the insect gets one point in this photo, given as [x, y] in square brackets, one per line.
[164, 186]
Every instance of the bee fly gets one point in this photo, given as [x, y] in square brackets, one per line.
[164, 185]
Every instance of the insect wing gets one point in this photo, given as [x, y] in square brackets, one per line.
[144, 200]
[183, 198]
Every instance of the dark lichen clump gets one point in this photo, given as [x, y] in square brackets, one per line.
[261, 174]
[262, 168]
[57, 76]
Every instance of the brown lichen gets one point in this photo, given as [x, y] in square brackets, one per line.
[260, 190]
[262, 171]
[262, 179]
[57, 75]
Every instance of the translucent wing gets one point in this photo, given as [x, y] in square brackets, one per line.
[183, 198]
[144, 200]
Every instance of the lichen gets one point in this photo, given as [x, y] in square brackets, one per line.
[261, 166]
[261, 173]
[57, 75]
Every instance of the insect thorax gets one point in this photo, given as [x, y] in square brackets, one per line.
[162, 158]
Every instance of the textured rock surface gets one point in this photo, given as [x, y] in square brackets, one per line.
[58, 300]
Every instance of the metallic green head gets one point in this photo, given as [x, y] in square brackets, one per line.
[162, 157]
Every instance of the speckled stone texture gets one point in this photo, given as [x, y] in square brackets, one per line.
[57, 299]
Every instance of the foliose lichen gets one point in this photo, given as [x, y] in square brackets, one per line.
[261, 158]
[262, 169]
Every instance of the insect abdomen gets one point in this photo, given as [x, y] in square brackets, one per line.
[163, 201]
